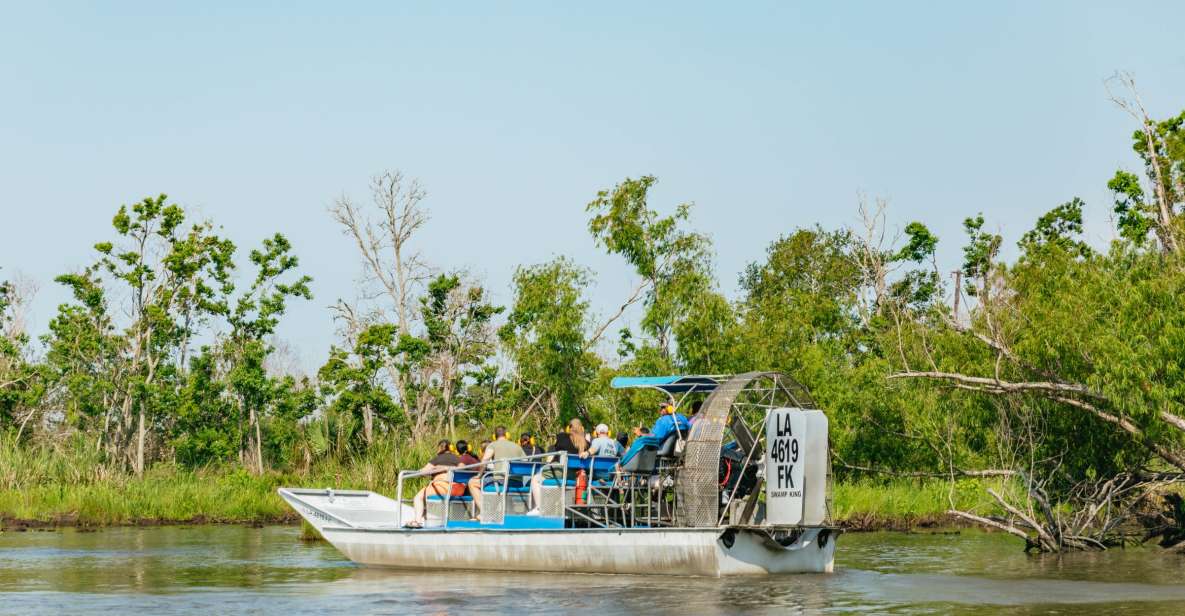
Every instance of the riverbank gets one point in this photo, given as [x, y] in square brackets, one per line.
[168, 495]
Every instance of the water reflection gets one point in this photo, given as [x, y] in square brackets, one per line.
[235, 569]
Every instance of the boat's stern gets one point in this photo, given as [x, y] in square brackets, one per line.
[747, 551]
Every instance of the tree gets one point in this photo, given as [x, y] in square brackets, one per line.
[1161, 147]
[389, 262]
[673, 264]
[87, 360]
[254, 316]
[353, 382]
[459, 336]
[170, 275]
[22, 381]
[546, 336]
[1088, 386]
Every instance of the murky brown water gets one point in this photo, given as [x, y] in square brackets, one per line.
[268, 571]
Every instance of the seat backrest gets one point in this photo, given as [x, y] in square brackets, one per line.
[643, 461]
[667, 448]
[524, 469]
[463, 476]
[603, 465]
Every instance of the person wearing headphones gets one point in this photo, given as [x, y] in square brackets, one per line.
[529, 448]
[669, 421]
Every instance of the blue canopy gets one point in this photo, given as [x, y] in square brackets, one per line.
[671, 384]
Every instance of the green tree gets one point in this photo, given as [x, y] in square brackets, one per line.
[673, 263]
[459, 335]
[22, 381]
[170, 274]
[255, 314]
[546, 336]
[353, 382]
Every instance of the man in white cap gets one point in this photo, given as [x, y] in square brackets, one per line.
[602, 445]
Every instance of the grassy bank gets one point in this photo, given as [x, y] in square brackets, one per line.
[902, 504]
[73, 488]
[70, 486]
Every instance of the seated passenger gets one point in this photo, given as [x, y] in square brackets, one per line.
[529, 448]
[669, 421]
[501, 449]
[440, 484]
[623, 441]
[602, 445]
[571, 441]
[463, 453]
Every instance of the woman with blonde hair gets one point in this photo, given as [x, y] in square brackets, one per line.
[572, 440]
[577, 440]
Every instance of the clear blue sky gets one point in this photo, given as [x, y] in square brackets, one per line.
[768, 116]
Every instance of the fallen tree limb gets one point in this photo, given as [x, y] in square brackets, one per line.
[1008, 528]
[1047, 542]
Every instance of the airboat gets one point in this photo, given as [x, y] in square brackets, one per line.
[746, 490]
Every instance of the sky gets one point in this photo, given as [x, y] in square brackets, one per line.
[766, 116]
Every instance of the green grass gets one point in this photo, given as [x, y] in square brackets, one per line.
[909, 502]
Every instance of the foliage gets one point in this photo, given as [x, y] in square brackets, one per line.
[546, 336]
[672, 262]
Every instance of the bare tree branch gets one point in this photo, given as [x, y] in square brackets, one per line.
[633, 298]
[998, 386]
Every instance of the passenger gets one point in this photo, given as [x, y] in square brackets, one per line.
[695, 416]
[669, 421]
[571, 441]
[529, 448]
[602, 445]
[463, 453]
[623, 440]
[440, 484]
[501, 449]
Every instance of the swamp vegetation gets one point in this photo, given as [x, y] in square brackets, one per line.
[1041, 394]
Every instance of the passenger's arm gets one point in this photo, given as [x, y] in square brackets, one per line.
[661, 429]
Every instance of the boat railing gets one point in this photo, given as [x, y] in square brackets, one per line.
[498, 467]
[612, 497]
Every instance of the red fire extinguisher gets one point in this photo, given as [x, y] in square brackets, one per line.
[581, 486]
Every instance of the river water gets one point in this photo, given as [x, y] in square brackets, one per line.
[230, 569]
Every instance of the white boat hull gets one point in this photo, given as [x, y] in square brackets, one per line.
[364, 527]
[635, 551]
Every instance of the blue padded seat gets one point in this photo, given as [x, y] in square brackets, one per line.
[524, 469]
[603, 465]
[495, 488]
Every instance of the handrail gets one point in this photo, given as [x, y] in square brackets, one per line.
[405, 474]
